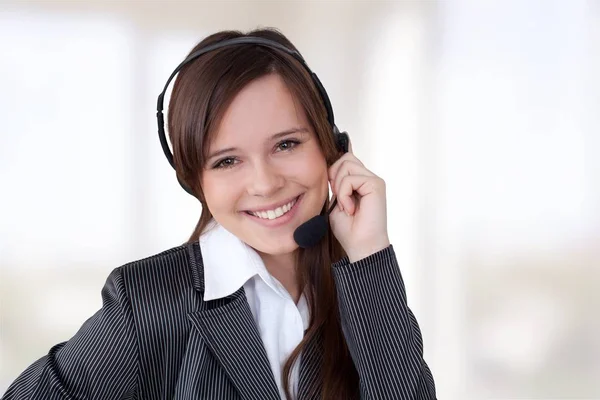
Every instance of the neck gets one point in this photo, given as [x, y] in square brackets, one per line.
[283, 268]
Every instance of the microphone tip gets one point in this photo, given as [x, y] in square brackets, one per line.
[311, 232]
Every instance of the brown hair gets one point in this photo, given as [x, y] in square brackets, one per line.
[201, 93]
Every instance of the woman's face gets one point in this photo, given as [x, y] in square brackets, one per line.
[265, 173]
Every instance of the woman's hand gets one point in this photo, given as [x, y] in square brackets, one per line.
[359, 221]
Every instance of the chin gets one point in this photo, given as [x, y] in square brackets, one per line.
[275, 249]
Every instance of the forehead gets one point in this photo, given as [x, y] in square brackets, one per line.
[262, 108]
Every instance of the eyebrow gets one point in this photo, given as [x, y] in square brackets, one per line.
[273, 137]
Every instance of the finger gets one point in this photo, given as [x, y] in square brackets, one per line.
[348, 167]
[333, 170]
[360, 184]
[336, 165]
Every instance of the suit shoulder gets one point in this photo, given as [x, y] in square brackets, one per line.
[175, 270]
[176, 257]
[161, 291]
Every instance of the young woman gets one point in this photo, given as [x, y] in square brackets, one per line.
[241, 311]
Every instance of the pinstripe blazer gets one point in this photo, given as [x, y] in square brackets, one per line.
[155, 338]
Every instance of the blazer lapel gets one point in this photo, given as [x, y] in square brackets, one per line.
[310, 383]
[231, 334]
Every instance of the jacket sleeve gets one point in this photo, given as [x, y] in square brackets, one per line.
[382, 333]
[99, 362]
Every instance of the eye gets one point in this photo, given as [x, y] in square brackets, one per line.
[225, 163]
[287, 145]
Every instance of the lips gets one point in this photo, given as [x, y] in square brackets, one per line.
[272, 206]
[274, 212]
[273, 221]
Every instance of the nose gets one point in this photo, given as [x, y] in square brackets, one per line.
[265, 181]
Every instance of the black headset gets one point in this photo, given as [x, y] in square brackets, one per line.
[341, 138]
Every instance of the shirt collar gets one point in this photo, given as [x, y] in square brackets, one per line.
[228, 262]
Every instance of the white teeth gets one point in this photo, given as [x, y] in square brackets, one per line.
[276, 213]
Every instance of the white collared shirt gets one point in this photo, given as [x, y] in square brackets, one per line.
[230, 264]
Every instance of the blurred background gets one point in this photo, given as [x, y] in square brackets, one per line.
[482, 116]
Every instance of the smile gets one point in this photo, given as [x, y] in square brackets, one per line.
[274, 213]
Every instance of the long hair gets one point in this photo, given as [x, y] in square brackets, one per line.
[202, 92]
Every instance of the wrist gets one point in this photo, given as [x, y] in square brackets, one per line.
[366, 250]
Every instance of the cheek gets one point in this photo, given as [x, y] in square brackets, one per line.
[316, 167]
[219, 194]
[312, 164]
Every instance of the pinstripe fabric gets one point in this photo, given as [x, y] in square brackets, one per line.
[382, 333]
[310, 362]
[155, 338]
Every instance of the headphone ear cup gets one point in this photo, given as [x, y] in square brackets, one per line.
[185, 187]
[342, 140]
